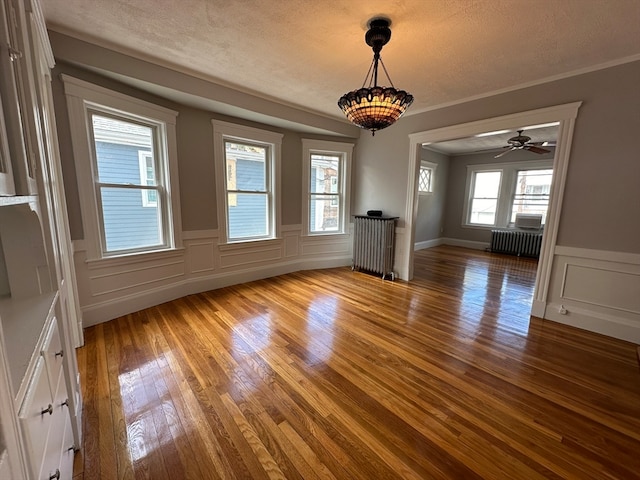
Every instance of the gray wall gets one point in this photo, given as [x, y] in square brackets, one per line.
[432, 206]
[195, 156]
[601, 208]
[456, 184]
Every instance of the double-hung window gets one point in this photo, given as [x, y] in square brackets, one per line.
[496, 193]
[485, 188]
[124, 151]
[532, 191]
[247, 172]
[326, 179]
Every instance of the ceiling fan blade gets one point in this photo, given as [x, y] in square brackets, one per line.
[535, 149]
[505, 152]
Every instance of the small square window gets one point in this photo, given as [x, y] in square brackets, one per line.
[425, 180]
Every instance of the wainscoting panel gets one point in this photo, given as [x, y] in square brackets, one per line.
[602, 287]
[115, 287]
[291, 243]
[200, 256]
[250, 253]
[597, 291]
[135, 278]
[326, 246]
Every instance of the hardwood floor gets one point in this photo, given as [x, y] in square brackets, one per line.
[334, 374]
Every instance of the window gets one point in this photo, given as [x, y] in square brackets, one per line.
[124, 151]
[326, 176]
[496, 193]
[247, 171]
[425, 177]
[484, 199]
[533, 188]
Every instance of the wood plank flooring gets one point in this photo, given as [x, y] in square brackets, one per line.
[334, 374]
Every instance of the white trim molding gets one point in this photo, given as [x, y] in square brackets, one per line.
[565, 115]
[345, 152]
[108, 289]
[596, 290]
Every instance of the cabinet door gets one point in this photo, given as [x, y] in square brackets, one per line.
[6, 174]
[36, 416]
[16, 92]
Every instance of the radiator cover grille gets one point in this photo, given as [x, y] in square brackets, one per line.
[515, 242]
[373, 244]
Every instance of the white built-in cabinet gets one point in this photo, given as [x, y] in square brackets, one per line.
[40, 401]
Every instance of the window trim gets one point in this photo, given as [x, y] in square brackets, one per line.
[143, 158]
[324, 147]
[430, 166]
[225, 131]
[509, 171]
[81, 98]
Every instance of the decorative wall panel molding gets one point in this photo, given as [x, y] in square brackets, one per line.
[596, 290]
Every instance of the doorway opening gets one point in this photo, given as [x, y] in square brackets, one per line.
[565, 116]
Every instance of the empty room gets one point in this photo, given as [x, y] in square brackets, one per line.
[330, 240]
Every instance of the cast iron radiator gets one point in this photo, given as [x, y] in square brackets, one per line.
[373, 244]
[515, 242]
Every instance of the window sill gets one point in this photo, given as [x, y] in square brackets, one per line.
[481, 227]
[244, 244]
[129, 258]
[325, 236]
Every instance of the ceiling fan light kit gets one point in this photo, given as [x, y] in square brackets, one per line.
[374, 107]
[522, 142]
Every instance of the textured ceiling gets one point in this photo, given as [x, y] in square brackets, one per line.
[308, 54]
[496, 141]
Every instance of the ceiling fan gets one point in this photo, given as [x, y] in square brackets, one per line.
[522, 142]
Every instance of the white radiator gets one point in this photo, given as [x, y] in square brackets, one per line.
[373, 244]
[516, 242]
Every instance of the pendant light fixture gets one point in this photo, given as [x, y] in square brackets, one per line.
[374, 107]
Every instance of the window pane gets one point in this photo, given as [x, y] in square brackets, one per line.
[248, 215]
[532, 193]
[119, 146]
[324, 213]
[484, 203]
[127, 223]
[324, 173]
[483, 211]
[487, 184]
[246, 167]
[424, 181]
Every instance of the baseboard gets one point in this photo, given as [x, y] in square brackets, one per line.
[538, 308]
[427, 244]
[104, 311]
[456, 242]
[610, 325]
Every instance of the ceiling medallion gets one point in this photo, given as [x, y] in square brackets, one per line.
[374, 107]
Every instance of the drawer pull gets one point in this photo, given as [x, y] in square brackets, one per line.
[48, 410]
[55, 476]
[71, 448]
[65, 403]
[60, 353]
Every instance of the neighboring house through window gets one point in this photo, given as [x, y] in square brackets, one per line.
[326, 177]
[124, 167]
[247, 172]
[496, 193]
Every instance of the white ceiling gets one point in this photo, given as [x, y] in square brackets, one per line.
[496, 141]
[308, 54]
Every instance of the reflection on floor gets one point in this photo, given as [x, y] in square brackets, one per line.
[334, 374]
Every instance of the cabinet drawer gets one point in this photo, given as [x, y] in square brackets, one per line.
[34, 422]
